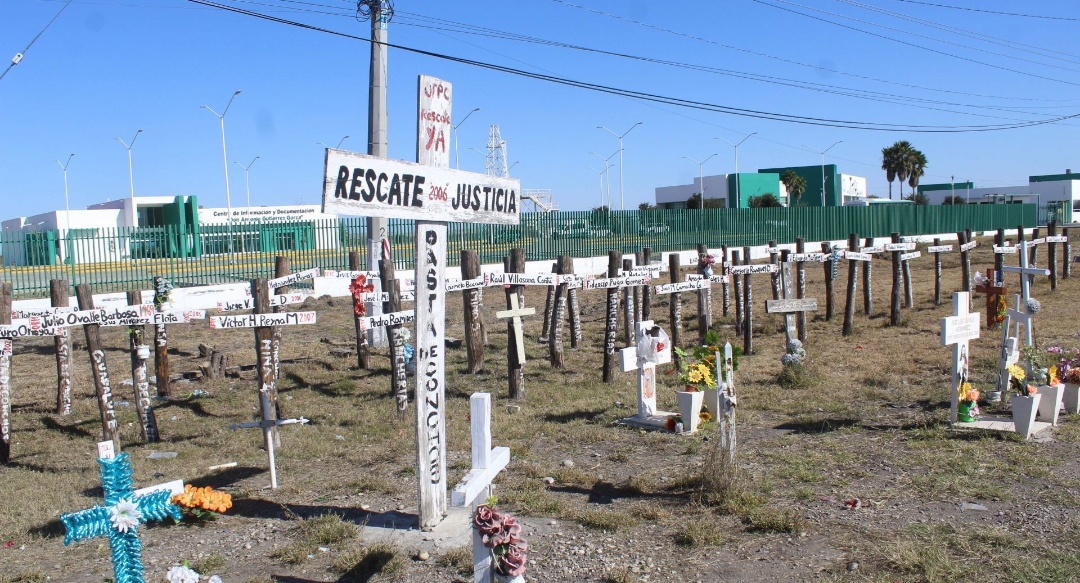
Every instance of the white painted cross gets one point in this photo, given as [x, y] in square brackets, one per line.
[1025, 286]
[789, 306]
[475, 487]
[515, 314]
[268, 424]
[1009, 353]
[723, 404]
[957, 330]
[629, 360]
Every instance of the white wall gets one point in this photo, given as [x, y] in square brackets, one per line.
[1058, 190]
[852, 187]
[716, 186]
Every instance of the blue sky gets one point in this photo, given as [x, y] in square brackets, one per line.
[107, 68]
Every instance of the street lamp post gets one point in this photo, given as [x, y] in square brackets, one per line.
[607, 166]
[131, 177]
[952, 188]
[738, 193]
[511, 167]
[457, 157]
[67, 207]
[701, 178]
[323, 144]
[247, 182]
[622, 193]
[822, 152]
[225, 163]
[601, 173]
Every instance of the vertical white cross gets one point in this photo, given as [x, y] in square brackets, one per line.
[1025, 286]
[628, 361]
[475, 487]
[957, 330]
[515, 313]
[726, 398]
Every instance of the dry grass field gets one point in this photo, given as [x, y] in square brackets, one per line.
[867, 422]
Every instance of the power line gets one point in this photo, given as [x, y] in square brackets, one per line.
[690, 104]
[798, 63]
[19, 56]
[903, 42]
[949, 6]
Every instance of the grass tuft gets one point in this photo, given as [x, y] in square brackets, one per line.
[312, 533]
[606, 520]
[621, 575]
[210, 565]
[458, 559]
[700, 532]
[775, 520]
[367, 563]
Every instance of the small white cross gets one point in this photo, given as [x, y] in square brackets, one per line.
[515, 313]
[957, 330]
[1025, 284]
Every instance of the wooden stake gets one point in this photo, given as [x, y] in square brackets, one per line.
[611, 321]
[1019, 239]
[548, 306]
[109, 429]
[800, 283]
[58, 295]
[1066, 260]
[965, 262]
[472, 306]
[909, 298]
[564, 265]
[161, 342]
[628, 308]
[282, 267]
[867, 280]
[1051, 255]
[853, 274]
[897, 281]
[574, 310]
[5, 379]
[740, 315]
[637, 294]
[515, 376]
[829, 265]
[999, 258]
[140, 380]
[1033, 252]
[363, 353]
[646, 291]
[264, 364]
[774, 258]
[724, 284]
[705, 295]
[675, 307]
[937, 273]
[748, 308]
[399, 382]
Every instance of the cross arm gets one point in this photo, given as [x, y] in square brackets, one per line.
[86, 524]
[477, 479]
[157, 506]
[1026, 270]
[268, 423]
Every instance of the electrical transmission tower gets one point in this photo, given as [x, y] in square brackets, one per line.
[495, 162]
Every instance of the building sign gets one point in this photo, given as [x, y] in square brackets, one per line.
[261, 214]
[433, 122]
[356, 184]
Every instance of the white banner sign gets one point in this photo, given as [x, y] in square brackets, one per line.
[22, 328]
[262, 320]
[673, 288]
[356, 184]
[909, 256]
[1057, 239]
[900, 246]
[621, 281]
[957, 328]
[968, 246]
[454, 285]
[853, 256]
[1039, 241]
[391, 319]
[433, 121]
[872, 250]
[1008, 250]
[249, 304]
[350, 274]
[752, 269]
[811, 257]
[939, 249]
[292, 278]
[715, 278]
[651, 270]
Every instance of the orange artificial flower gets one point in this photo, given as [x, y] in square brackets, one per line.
[205, 498]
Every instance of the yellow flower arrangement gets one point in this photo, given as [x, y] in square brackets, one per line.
[968, 393]
[205, 498]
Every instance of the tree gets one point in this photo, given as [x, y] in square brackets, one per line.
[896, 162]
[918, 198]
[600, 209]
[889, 164]
[795, 184]
[694, 202]
[916, 169]
[764, 201]
[954, 199]
[646, 207]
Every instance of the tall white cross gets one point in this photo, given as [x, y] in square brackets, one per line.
[957, 330]
[723, 404]
[475, 487]
[1025, 286]
[629, 360]
[515, 314]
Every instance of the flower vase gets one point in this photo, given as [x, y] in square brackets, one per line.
[1023, 413]
[1050, 405]
[509, 578]
[1071, 398]
[143, 351]
[712, 402]
[690, 409]
[964, 412]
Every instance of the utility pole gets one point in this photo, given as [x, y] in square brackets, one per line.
[380, 12]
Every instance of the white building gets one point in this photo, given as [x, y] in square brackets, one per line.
[1041, 190]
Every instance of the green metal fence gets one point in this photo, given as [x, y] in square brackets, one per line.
[128, 258]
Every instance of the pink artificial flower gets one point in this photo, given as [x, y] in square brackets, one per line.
[509, 530]
[512, 562]
[487, 520]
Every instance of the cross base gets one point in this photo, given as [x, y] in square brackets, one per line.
[1002, 424]
[654, 422]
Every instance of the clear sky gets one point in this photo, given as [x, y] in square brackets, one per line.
[107, 68]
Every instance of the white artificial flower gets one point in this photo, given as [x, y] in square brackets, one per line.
[214, 579]
[124, 515]
[182, 575]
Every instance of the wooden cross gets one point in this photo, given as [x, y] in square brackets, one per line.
[119, 518]
[723, 404]
[992, 290]
[789, 307]
[629, 360]
[1025, 284]
[515, 314]
[956, 331]
[475, 487]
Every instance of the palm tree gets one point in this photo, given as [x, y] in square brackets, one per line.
[916, 169]
[889, 164]
[795, 184]
[903, 152]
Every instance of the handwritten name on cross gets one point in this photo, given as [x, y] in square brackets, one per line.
[475, 487]
[956, 331]
[790, 306]
[631, 359]
[515, 314]
[1025, 284]
[267, 424]
[119, 518]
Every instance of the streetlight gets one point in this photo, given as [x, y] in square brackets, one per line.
[131, 178]
[511, 168]
[67, 207]
[225, 158]
[738, 193]
[822, 152]
[484, 154]
[622, 199]
[341, 141]
[701, 179]
[457, 157]
[607, 166]
[952, 188]
[601, 173]
[247, 183]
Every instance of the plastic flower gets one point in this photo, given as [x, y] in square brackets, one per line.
[1033, 306]
[486, 520]
[360, 286]
[180, 574]
[214, 579]
[205, 498]
[694, 375]
[1016, 372]
[124, 515]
